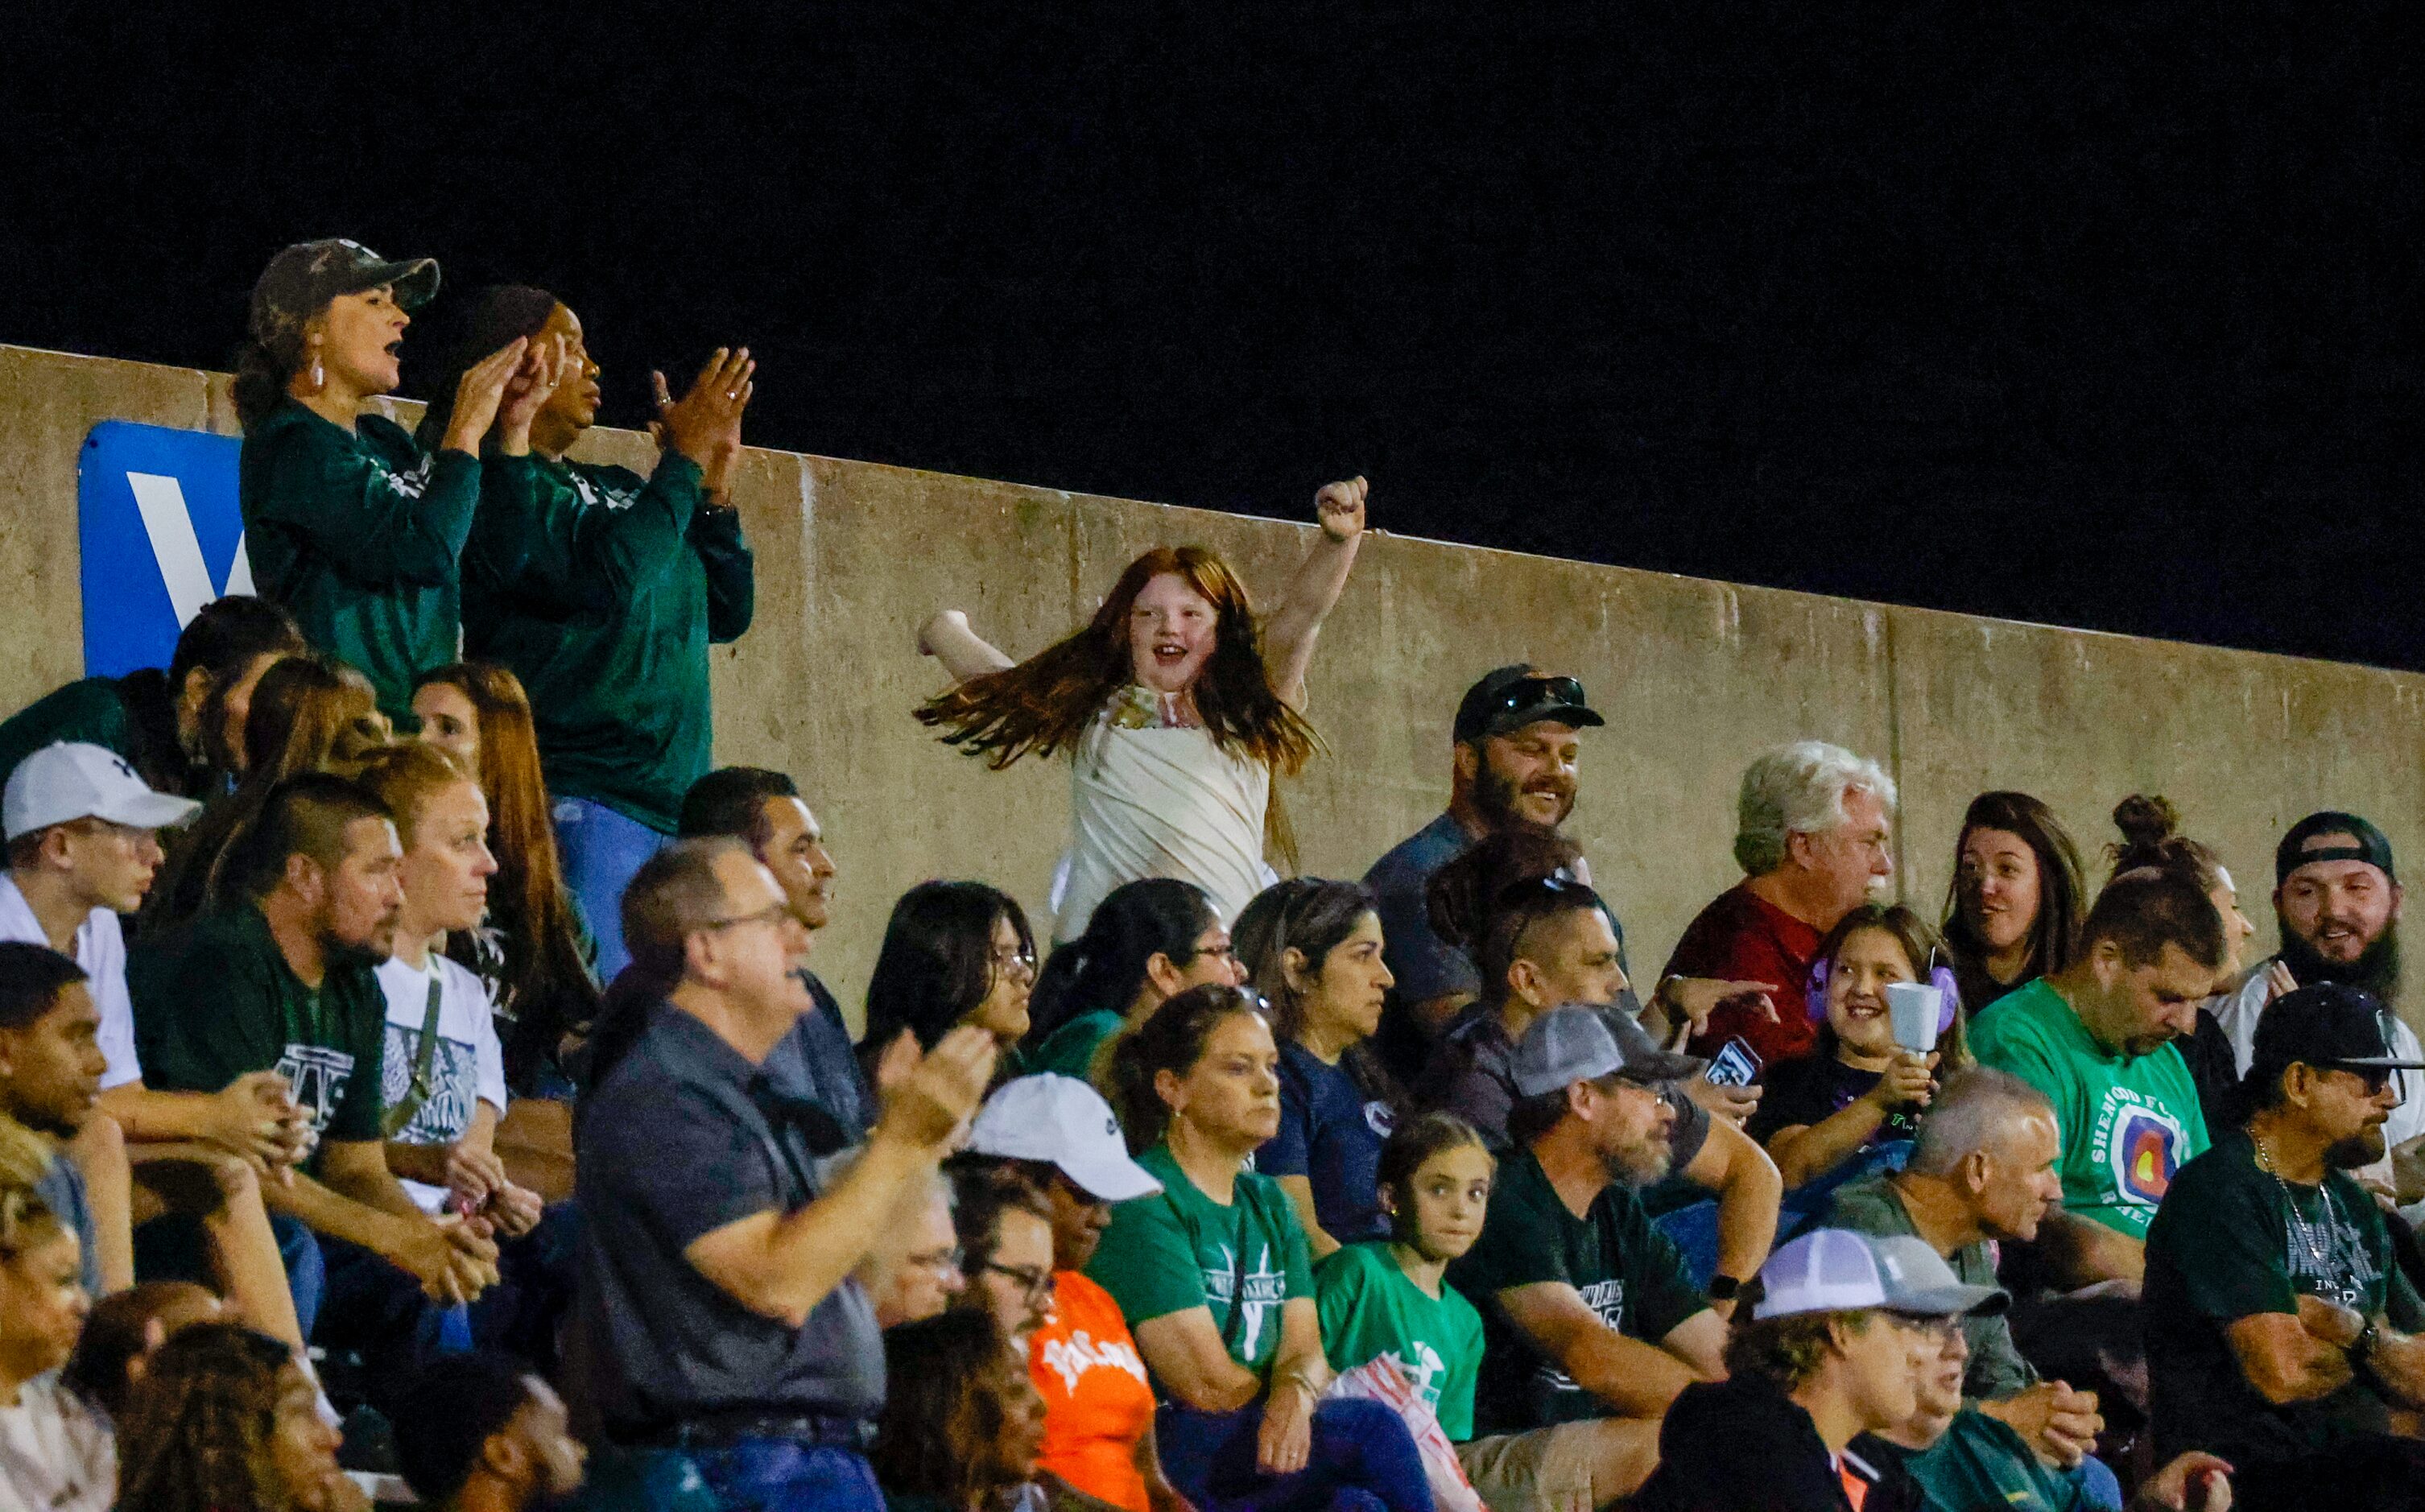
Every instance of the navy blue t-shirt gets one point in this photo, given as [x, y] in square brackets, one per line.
[1331, 1133]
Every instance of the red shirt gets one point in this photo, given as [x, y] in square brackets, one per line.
[1097, 1403]
[1742, 936]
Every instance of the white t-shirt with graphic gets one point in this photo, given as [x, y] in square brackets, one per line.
[467, 1069]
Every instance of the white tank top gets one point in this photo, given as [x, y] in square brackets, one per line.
[1160, 801]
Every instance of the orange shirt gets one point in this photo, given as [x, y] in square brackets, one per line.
[1097, 1403]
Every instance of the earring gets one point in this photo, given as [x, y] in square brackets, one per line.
[319, 379]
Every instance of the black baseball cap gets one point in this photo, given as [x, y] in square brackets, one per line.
[306, 276]
[1510, 698]
[2299, 845]
[2331, 1024]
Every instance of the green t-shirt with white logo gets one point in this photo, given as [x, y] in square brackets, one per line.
[1243, 1261]
[2129, 1123]
[1369, 1307]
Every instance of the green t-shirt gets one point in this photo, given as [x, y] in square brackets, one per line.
[2226, 1245]
[2128, 1123]
[1181, 1249]
[90, 710]
[603, 591]
[1979, 1463]
[215, 999]
[1997, 1370]
[1070, 1050]
[1369, 1307]
[1626, 1271]
[359, 533]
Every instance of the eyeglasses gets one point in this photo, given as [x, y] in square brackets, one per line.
[1036, 1283]
[773, 914]
[946, 1259]
[1023, 958]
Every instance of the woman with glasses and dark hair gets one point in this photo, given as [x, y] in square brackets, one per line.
[1178, 705]
[1313, 950]
[1148, 942]
[953, 952]
[2013, 913]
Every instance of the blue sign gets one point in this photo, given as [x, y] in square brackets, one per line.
[161, 534]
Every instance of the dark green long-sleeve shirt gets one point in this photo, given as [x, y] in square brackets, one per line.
[603, 592]
[359, 533]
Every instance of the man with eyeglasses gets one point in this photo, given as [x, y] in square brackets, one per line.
[1006, 1235]
[1513, 753]
[2281, 1331]
[722, 1319]
[921, 1279]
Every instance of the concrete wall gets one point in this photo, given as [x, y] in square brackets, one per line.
[1695, 676]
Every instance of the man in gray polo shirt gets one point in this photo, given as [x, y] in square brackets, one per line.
[717, 1315]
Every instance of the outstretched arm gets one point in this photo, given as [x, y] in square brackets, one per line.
[963, 653]
[1290, 634]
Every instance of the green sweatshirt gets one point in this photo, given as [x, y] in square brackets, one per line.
[357, 535]
[603, 591]
[90, 710]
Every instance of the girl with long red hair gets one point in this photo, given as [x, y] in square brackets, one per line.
[1176, 705]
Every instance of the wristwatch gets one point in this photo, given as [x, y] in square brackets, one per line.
[1723, 1289]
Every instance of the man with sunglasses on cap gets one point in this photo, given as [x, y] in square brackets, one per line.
[1833, 1351]
[2281, 1333]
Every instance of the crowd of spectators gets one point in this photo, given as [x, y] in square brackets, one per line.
[413, 1081]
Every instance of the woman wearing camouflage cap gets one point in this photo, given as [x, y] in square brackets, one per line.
[349, 525]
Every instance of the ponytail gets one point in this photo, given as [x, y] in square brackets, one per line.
[260, 378]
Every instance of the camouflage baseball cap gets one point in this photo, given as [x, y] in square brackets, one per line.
[306, 276]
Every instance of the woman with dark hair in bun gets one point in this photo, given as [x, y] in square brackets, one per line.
[601, 591]
[352, 525]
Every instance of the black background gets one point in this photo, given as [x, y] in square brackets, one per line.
[2105, 315]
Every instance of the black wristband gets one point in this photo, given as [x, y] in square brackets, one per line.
[1723, 1289]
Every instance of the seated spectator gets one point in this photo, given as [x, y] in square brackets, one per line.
[1514, 757]
[2281, 1333]
[1832, 1352]
[1545, 943]
[1961, 1457]
[2337, 901]
[2096, 1038]
[718, 1320]
[2013, 912]
[914, 1270]
[1178, 705]
[182, 730]
[1214, 1277]
[953, 952]
[2152, 841]
[1982, 1174]
[1004, 1231]
[1147, 943]
[1593, 1325]
[532, 951]
[764, 811]
[227, 1418]
[1313, 950]
[350, 525]
[1812, 835]
[54, 1445]
[442, 1073]
[1859, 1088]
[962, 1424]
[284, 978]
[123, 1330]
[481, 1433]
[1097, 1407]
[309, 714]
[1390, 1298]
[601, 591]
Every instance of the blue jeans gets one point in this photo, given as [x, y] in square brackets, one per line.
[1362, 1460]
[772, 1475]
[600, 849]
[2100, 1489]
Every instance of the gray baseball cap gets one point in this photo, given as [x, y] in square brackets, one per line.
[306, 276]
[1839, 1270]
[1575, 1043]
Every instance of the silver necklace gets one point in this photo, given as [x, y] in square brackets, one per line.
[2314, 1238]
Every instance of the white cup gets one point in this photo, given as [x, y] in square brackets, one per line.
[1914, 1006]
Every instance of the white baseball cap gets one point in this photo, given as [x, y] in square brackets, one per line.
[1838, 1270]
[1062, 1120]
[69, 779]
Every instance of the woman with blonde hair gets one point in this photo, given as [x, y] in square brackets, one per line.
[55, 1446]
[533, 950]
[1178, 706]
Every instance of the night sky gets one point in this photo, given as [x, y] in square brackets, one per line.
[2105, 315]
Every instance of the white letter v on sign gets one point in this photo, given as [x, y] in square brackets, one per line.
[162, 501]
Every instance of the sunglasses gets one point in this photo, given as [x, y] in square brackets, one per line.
[1539, 692]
